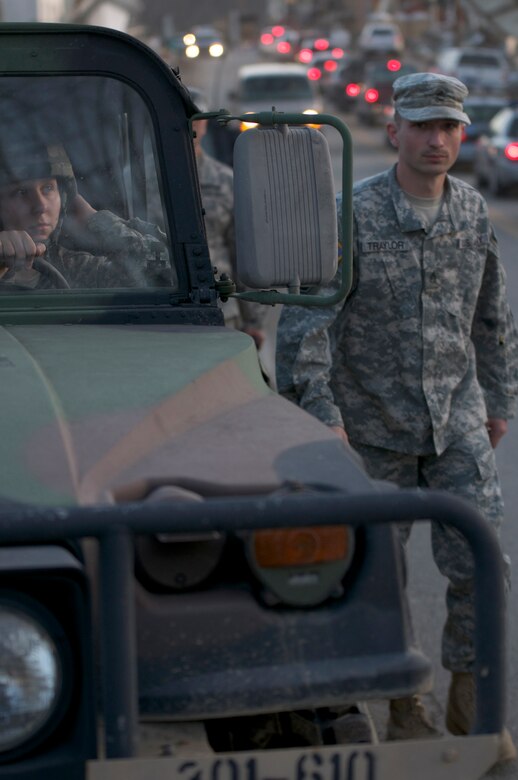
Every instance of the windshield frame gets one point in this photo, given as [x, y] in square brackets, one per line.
[49, 50]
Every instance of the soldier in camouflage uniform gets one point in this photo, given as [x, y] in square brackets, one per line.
[217, 192]
[420, 365]
[37, 194]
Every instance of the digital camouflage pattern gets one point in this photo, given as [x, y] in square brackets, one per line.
[423, 96]
[425, 347]
[421, 354]
[468, 469]
[217, 192]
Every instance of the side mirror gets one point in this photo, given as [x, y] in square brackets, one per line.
[285, 210]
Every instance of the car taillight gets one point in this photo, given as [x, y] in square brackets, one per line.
[330, 65]
[284, 47]
[321, 44]
[305, 56]
[352, 90]
[371, 95]
[266, 39]
[314, 74]
[302, 566]
[511, 151]
[337, 53]
[278, 30]
[393, 65]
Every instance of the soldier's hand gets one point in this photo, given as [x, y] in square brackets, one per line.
[257, 334]
[80, 210]
[18, 250]
[496, 429]
[340, 432]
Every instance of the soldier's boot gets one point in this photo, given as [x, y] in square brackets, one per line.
[408, 719]
[460, 713]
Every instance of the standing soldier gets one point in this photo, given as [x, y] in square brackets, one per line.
[420, 365]
[216, 184]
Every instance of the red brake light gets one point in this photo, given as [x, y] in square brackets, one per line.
[314, 74]
[284, 47]
[352, 90]
[305, 55]
[266, 39]
[330, 65]
[337, 52]
[321, 44]
[278, 30]
[511, 151]
[393, 65]
[371, 95]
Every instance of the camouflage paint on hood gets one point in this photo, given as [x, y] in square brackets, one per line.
[89, 409]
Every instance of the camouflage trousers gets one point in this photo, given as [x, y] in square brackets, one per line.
[467, 468]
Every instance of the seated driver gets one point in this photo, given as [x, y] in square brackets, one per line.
[40, 207]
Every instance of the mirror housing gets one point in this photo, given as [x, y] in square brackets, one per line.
[285, 209]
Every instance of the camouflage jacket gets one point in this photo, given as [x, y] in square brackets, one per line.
[119, 253]
[217, 192]
[425, 346]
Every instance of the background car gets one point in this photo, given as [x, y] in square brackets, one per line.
[496, 156]
[381, 36]
[203, 40]
[278, 42]
[344, 85]
[481, 111]
[374, 104]
[479, 68]
[283, 85]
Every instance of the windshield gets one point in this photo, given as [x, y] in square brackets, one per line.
[80, 191]
[272, 87]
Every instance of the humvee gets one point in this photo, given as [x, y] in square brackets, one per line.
[197, 579]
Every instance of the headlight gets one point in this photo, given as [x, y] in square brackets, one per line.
[192, 51]
[31, 673]
[216, 50]
[302, 566]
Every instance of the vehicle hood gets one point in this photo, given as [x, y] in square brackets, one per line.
[89, 410]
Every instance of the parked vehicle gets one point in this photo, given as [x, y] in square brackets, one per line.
[479, 68]
[480, 111]
[278, 42]
[203, 40]
[496, 155]
[344, 86]
[283, 85]
[380, 36]
[197, 578]
[374, 103]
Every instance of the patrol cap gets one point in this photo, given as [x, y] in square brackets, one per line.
[422, 96]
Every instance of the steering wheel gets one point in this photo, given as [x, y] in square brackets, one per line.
[45, 269]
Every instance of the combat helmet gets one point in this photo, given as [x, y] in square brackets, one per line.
[22, 159]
